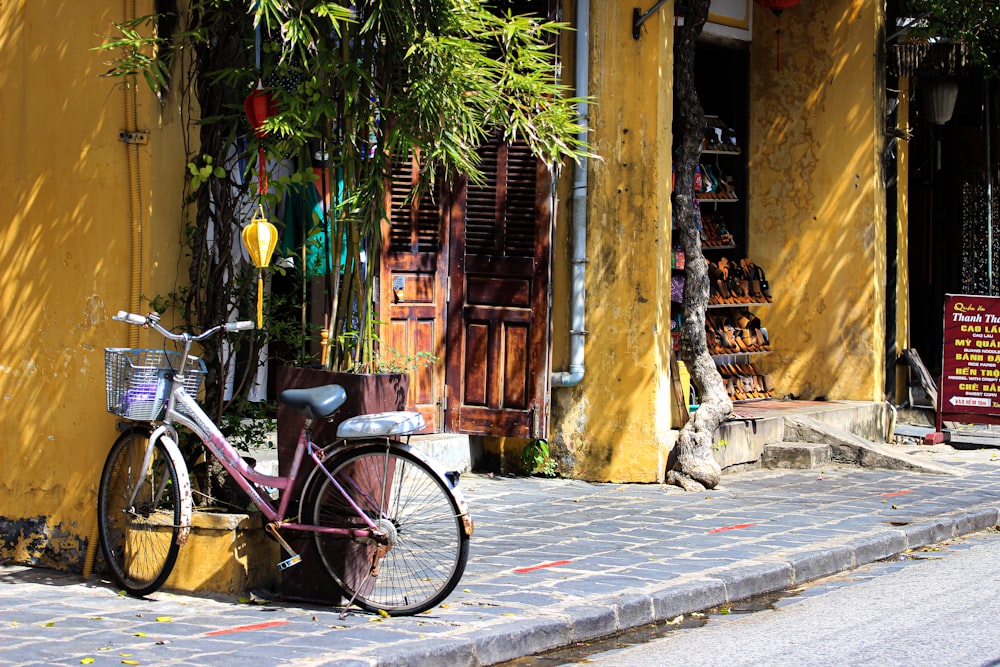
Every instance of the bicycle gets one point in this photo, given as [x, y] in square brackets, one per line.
[391, 530]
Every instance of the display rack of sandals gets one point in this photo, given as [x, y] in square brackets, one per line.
[734, 332]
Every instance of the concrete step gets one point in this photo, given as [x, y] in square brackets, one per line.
[447, 451]
[796, 455]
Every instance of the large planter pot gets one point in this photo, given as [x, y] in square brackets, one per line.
[309, 580]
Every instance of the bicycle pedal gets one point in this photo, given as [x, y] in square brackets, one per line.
[289, 562]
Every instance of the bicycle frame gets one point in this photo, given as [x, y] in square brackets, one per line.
[246, 477]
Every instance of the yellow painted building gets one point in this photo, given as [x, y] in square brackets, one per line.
[92, 223]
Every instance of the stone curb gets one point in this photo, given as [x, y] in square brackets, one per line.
[634, 609]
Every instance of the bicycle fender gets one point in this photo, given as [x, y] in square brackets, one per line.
[337, 450]
[183, 479]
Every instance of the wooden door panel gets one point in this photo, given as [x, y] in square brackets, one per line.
[413, 290]
[498, 311]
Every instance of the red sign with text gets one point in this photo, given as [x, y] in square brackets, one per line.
[970, 382]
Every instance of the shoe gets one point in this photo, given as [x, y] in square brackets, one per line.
[765, 287]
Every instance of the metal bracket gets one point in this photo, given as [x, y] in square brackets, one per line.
[638, 18]
[136, 137]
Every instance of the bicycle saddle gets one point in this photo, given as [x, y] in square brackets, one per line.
[316, 402]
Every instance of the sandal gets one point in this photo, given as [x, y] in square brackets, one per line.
[765, 287]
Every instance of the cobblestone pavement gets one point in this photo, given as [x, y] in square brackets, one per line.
[553, 562]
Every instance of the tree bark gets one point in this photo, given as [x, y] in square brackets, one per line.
[696, 468]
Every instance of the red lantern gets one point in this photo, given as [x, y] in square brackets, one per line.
[777, 6]
[259, 106]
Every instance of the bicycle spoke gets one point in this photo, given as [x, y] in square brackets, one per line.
[427, 548]
[139, 540]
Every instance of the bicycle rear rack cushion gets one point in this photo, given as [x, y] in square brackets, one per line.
[381, 425]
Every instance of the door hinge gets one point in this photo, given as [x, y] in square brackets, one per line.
[442, 405]
[535, 426]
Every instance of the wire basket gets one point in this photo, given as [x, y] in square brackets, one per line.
[138, 380]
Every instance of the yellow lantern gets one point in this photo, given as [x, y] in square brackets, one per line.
[259, 238]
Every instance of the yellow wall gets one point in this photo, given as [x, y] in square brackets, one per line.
[616, 423]
[65, 247]
[817, 200]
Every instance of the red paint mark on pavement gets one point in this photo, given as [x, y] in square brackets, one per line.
[523, 570]
[248, 628]
[897, 493]
[736, 527]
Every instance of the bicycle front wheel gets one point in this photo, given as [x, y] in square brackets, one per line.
[424, 554]
[139, 537]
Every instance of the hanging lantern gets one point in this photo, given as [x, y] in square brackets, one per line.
[259, 238]
[777, 6]
[260, 105]
[938, 96]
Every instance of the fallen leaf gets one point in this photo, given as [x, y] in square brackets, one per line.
[676, 620]
[130, 662]
[87, 661]
[466, 590]
[383, 613]
[50, 624]
[139, 634]
[164, 619]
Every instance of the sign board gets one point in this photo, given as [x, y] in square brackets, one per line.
[970, 381]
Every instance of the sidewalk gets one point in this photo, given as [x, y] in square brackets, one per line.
[552, 562]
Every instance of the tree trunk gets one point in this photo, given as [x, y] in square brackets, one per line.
[696, 468]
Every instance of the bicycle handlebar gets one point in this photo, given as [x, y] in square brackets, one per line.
[153, 320]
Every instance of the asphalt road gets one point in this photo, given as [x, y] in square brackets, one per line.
[939, 608]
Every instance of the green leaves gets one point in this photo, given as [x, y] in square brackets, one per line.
[139, 54]
[974, 23]
[202, 172]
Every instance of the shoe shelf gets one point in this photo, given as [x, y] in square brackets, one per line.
[745, 382]
[720, 149]
[735, 336]
[755, 304]
[731, 357]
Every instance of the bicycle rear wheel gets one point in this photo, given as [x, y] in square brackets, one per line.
[427, 547]
[139, 539]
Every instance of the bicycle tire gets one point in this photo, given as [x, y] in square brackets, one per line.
[139, 542]
[429, 548]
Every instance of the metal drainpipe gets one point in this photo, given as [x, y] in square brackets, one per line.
[578, 294]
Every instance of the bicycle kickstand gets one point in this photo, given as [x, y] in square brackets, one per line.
[372, 572]
[293, 558]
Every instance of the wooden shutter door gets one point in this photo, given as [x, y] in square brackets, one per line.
[413, 290]
[498, 365]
